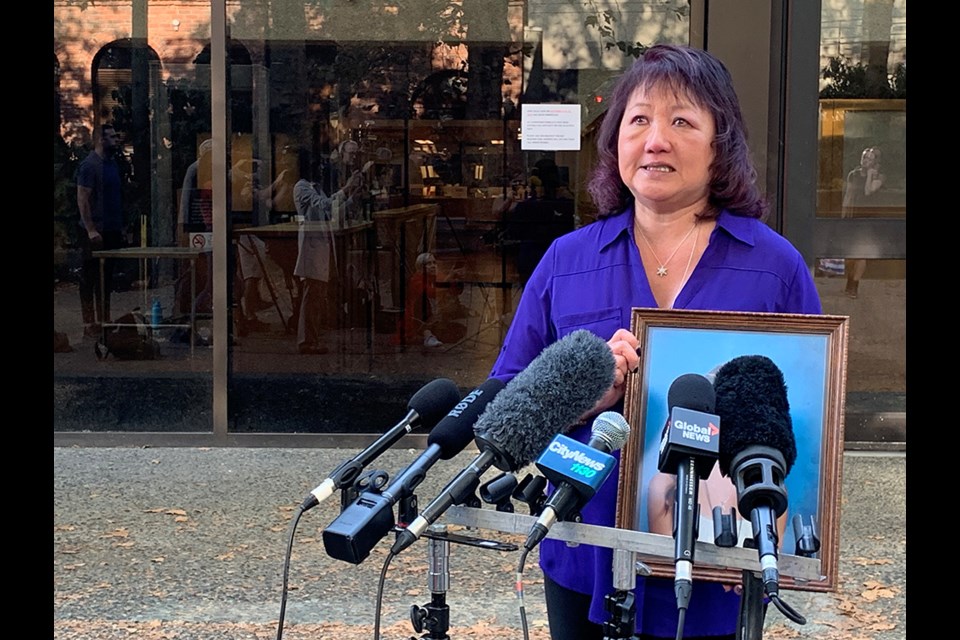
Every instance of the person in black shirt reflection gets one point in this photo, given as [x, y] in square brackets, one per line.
[100, 202]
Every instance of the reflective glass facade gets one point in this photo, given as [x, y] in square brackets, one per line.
[325, 205]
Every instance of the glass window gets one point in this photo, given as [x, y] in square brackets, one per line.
[861, 201]
[132, 325]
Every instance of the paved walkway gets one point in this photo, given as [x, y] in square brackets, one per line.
[174, 543]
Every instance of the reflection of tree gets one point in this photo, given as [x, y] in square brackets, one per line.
[489, 44]
[868, 77]
[66, 159]
[135, 194]
[854, 81]
[604, 21]
[189, 115]
[877, 19]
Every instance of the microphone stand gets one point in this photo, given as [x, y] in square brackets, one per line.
[435, 615]
[752, 608]
[621, 603]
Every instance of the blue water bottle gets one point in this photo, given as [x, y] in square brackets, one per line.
[156, 313]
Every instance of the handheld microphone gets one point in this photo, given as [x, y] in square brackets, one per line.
[757, 449]
[561, 384]
[369, 518]
[688, 448]
[577, 470]
[425, 408]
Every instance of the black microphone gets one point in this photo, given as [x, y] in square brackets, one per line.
[757, 449]
[552, 393]
[688, 448]
[426, 407]
[369, 518]
[577, 471]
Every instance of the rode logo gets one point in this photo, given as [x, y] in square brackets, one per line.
[693, 431]
[461, 406]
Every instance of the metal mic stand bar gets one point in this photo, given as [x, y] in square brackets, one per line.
[627, 545]
[650, 545]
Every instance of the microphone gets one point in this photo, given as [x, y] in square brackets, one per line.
[688, 448]
[561, 384]
[757, 449]
[425, 408]
[369, 518]
[577, 471]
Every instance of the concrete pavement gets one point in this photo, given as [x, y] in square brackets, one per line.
[167, 539]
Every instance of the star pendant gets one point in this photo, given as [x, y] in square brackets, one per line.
[661, 271]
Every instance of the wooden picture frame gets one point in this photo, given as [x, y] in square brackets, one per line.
[811, 351]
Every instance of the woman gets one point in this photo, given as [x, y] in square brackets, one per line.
[679, 226]
[860, 189]
[316, 257]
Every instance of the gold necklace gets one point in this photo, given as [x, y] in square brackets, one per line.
[662, 264]
[693, 250]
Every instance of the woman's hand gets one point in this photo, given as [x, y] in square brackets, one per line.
[624, 346]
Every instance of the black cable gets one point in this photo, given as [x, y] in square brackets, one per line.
[519, 589]
[682, 589]
[383, 575]
[787, 610]
[681, 619]
[286, 570]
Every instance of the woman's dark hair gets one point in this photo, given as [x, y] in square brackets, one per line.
[702, 78]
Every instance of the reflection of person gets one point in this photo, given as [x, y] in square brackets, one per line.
[532, 225]
[195, 197]
[431, 311]
[99, 199]
[859, 190]
[196, 207]
[342, 175]
[250, 252]
[252, 249]
[315, 251]
[679, 226]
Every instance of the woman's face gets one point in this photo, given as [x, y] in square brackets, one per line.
[665, 148]
[869, 158]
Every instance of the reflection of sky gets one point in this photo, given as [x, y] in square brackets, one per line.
[672, 352]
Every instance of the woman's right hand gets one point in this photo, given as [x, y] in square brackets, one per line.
[624, 346]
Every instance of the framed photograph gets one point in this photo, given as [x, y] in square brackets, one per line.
[811, 352]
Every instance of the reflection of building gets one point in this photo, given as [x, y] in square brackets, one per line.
[441, 125]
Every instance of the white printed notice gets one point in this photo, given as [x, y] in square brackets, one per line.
[550, 127]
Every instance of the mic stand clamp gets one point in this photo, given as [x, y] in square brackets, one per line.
[371, 480]
[621, 604]
[808, 543]
[499, 491]
[531, 492]
[622, 609]
[724, 527]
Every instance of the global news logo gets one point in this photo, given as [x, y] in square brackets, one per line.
[693, 431]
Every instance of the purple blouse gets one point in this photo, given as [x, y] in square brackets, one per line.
[591, 279]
